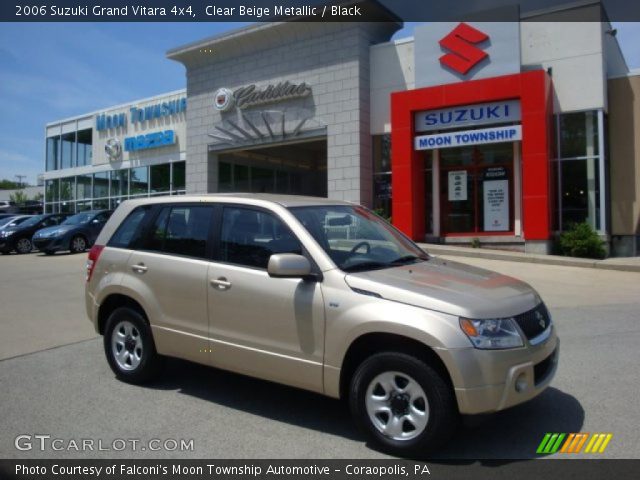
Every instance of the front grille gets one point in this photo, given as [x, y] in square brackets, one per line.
[541, 370]
[534, 322]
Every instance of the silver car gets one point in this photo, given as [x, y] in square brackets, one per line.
[322, 295]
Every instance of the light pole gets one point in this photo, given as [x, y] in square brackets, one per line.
[20, 177]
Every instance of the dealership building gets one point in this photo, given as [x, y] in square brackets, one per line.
[504, 133]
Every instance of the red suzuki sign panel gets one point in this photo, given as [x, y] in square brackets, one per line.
[454, 52]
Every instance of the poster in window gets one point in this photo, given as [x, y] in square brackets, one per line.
[458, 186]
[496, 205]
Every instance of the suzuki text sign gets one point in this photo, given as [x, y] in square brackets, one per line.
[450, 52]
[463, 138]
[480, 114]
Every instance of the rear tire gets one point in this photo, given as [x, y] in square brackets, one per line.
[24, 245]
[402, 404]
[129, 347]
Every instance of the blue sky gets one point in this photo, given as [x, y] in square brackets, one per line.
[50, 71]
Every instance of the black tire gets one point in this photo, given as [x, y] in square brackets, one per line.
[24, 245]
[145, 364]
[441, 421]
[49, 252]
[78, 244]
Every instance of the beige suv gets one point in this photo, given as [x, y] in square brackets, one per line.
[321, 295]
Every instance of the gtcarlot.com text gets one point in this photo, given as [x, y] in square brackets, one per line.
[46, 442]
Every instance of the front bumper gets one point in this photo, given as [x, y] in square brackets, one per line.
[6, 246]
[492, 380]
[52, 244]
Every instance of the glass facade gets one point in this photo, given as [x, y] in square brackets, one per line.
[107, 189]
[579, 166]
[382, 175]
[70, 150]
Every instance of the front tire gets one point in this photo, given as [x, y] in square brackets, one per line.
[78, 244]
[129, 347]
[24, 245]
[402, 404]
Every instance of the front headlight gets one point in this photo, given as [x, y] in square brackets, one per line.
[6, 233]
[493, 333]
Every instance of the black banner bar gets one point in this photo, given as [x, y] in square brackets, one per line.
[316, 10]
[316, 469]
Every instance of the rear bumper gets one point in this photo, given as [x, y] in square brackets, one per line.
[491, 380]
[92, 307]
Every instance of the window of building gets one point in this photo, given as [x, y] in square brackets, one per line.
[100, 185]
[579, 167]
[67, 189]
[84, 147]
[139, 181]
[179, 177]
[68, 143]
[84, 186]
[53, 153]
[119, 183]
[250, 237]
[51, 195]
[382, 175]
[161, 179]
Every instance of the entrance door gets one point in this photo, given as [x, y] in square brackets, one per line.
[476, 190]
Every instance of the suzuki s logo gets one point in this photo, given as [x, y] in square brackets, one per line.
[461, 43]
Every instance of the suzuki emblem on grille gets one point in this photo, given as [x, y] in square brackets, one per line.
[461, 43]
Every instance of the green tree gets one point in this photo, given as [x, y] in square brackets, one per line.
[18, 197]
[8, 184]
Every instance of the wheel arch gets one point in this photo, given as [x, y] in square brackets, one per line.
[113, 301]
[376, 342]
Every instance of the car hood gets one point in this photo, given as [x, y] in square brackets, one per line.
[449, 287]
[44, 232]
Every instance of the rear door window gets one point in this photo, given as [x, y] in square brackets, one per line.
[181, 230]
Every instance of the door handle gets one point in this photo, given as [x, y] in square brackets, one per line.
[221, 283]
[139, 268]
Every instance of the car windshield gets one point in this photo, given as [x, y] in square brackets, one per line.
[357, 239]
[32, 221]
[6, 221]
[79, 219]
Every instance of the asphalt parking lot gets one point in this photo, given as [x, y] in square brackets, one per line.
[55, 380]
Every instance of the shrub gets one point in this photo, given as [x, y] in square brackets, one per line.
[475, 243]
[581, 240]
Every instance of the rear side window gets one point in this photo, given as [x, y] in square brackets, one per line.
[181, 230]
[129, 229]
[249, 237]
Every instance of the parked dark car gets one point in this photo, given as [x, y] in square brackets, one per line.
[76, 233]
[18, 238]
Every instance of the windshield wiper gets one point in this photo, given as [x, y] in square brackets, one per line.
[369, 265]
[406, 259]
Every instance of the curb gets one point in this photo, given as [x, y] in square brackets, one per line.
[488, 254]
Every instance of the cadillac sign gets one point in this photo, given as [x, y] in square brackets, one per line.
[251, 95]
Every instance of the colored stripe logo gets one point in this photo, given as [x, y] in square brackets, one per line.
[574, 442]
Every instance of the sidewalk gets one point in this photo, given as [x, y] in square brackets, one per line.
[625, 264]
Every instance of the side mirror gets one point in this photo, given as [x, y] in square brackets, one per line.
[288, 265]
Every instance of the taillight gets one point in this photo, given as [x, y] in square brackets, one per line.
[94, 254]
